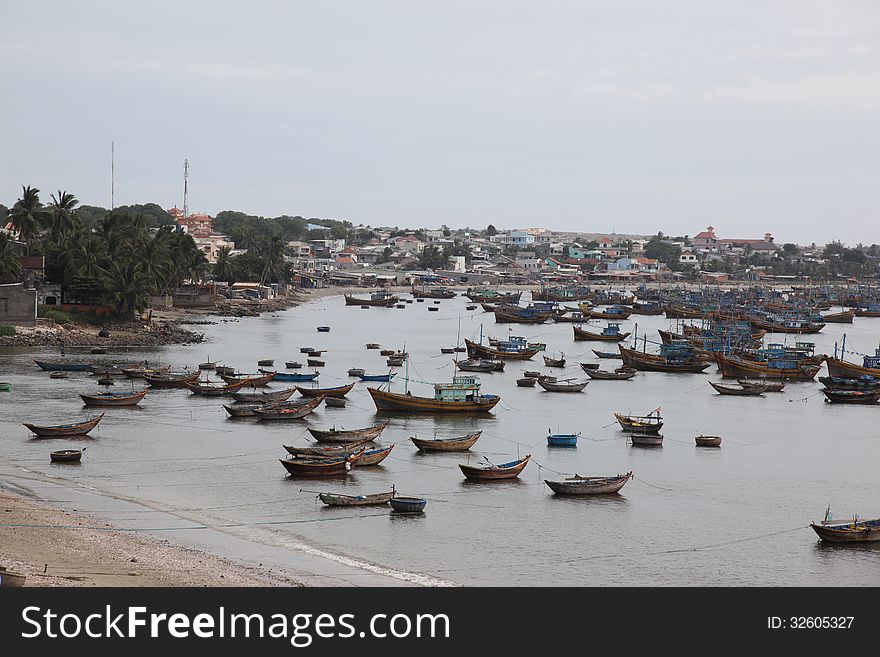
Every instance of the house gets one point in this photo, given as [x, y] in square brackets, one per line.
[33, 270]
[706, 240]
[300, 249]
[18, 305]
[608, 248]
[688, 259]
[210, 245]
[409, 243]
[197, 225]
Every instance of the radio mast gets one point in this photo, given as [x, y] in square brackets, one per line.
[185, 187]
[112, 174]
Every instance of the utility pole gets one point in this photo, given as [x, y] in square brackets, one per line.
[112, 174]
[185, 187]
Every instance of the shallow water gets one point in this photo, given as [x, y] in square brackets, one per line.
[731, 516]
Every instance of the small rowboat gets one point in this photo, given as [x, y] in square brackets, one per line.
[331, 467]
[639, 423]
[105, 381]
[66, 366]
[372, 345]
[460, 444]
[854, 531]
[607, 354]
[377, 499]
[139, 371]
[708, 441]
[531, 375]
[306, 350]
[287, 410]
[646, 439]
[589, 366]
[206, 389]
[64, 430]
[207, 365]
[376, 377]
[264, 397]
[374, 456]
[334, 402]
[750, 391]
[171, 379]
[255, 380]
[492, 472]
[578, 485]
[623, 374]
[323, 329]
[338, 391]
[402, 504]
[387, 352]
[562, 387]
[769, 386]
[526, 382]
[394, 361]
[245, 409]
[225, 369]
[334, 435]
[554, 362]
[447, 350]
[266, 362]
[562, 439]
[67, 455]
[326, 451]
[356, 371]
[293, 365]
[852, 396]
[292, 376]
[315, 362]
[60, 374]
[113, 398]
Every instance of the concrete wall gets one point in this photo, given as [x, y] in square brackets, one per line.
[18, 306]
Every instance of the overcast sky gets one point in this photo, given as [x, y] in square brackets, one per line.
[636, 116]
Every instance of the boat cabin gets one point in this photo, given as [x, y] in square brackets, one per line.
[462, 388]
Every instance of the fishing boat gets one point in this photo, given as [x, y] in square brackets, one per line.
[326, 451]
[610, 333]
[334, 435]
[376, 499]
[578, 485]
[66, 455]
[113, 398]
[387, 352]
[480, 365]
[769, 386]
[374, 456]
[646, 439]
[140, 371]
[708, 441]
[677, 358]
[486, 295]
[612, 312]
[606, 354]
[171, 379]
[838, 367]
[459, 444]
[553, 386]
[871, 310]
[381, 298]
[651, 423]
[734, 367]
[373, 345]
[851, 531]
[287, 410]
[432, 293]
[334, 402]
[9, 579]
[621, 374]
[851, 396]
[491, 472]
[210, 389]
[395, 361]
[60, 374]
[507, 350]
[845, 317]
[573, 317]
[376, 377]
[224, 370]
[562, 439]
[208, 365]
[65, 366]
[330, 467]
[863, 382]
[489, 307]
[293, 365]
[531, 374]
[338, 391]
[526, 382]
[505, 314]
[292, 376]
[64, 430]
[447, 350]
[356, 371]
[266, 362]
[323, 329]
[306, 350]
[642, 308]
[244, 409]
[252, 380]
[554, 362]
[315, 362]
[742, 391]
[405, 504]
[461, 396]
[264, 396]
[105, 381]
[434, 308]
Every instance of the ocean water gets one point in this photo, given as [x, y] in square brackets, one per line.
[737, 515]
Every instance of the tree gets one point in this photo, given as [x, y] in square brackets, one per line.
[61, 214]
[28, 215]
[666, 252]
[272, 254]
[223, 268]
[126, 286]
[491, 230]
[790, 249]
[10, 267]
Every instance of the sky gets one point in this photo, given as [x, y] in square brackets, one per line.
[630, 116]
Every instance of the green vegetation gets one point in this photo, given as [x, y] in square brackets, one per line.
[7, 331]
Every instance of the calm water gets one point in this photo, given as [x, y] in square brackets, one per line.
[730, 516]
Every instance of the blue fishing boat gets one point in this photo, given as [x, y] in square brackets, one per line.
[292, 376]
[377, 377]
[562, 439]
[63, 366]
[407, 504]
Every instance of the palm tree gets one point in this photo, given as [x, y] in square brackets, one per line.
[61, 212]
[126, 288]
[223, 269]
[272, 253]
[27, 215]
[10, 267]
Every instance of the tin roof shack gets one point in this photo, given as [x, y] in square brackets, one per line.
[18, 305]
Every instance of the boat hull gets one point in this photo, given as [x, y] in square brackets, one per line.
[447, 444]
[117, 400]
[589, 485]
[348, 436]
[505, 471]
[64, 430]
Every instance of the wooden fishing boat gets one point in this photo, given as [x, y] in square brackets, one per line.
[66, 455]
[207, 365]
[292, 376]
[489, 307]
[334, 402]
[395, 361]
[330, 467]
[492, 472]
[225, 369]
[531, 374]
[374, 456]
[733, 367]
[461, 396]
[606, 354]
[334, 435]
[60, 374]
[356, 371]
[326, 451]
[845, 317]
[841, 383]
[460, 444]
[434, 308]
[113, 398]
[675, 311]
[447, 350]
[646, 439]
[65, 366]
[658, 363]
[871, 311]
[488, 296]
[622, 374]
[479, 365]
[554, 362]
[209, 389]
[376, 499]
[578, 485]
[547, 379]
[264, 396]
[562, 439]
[64, 430]
[843, 368]
[387, 352]
[315, 362]
[171, 379]
[572, 317]
[105, 381]
[266, 362]
[433, 293]
[372, 345]
[293, 365]
[244, 409]
[769, 386]
[255, 381]
[611, 313]
[552, 386]
[651, 423]
[476, 350]
[853, 531]
[526, 382]
[852, 396]
[708, 441]
[381, 298]
[338, 391]
[404, 504]
[287, 410]
[742, 391]
[608, 334]
[376, 377]
[9, 579]
[323, 329]
[140, 371]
